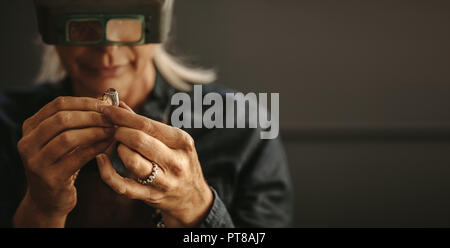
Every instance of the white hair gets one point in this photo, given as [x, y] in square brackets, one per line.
[177, 73]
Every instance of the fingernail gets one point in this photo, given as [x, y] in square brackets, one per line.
[126, 107]
[99, 158]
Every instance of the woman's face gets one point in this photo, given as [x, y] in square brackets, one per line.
[97, 68]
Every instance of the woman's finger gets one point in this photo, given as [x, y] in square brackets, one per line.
[171, 136]
[69, 140]
[134, 162]
[147, 146]
[72, 162]
[124, 186]
[141, 167]
[62, 121]
[62, 103]
[125, 106]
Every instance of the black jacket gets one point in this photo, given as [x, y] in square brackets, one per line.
[249, 176]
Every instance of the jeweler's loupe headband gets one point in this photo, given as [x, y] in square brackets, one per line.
[99, 22]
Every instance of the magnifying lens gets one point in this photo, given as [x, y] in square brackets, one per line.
[99, 22]
[85, 30]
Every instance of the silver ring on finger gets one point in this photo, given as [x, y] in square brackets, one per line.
[151, 178]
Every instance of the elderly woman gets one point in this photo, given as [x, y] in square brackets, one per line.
[70, 159]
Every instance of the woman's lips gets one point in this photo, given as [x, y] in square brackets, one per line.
[105, 71]
[110, 71]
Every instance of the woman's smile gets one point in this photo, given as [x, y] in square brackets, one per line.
[110, 71]
[104, 71]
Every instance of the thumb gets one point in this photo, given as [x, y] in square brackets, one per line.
[125, 106]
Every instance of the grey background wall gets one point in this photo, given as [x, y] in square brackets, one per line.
[363, 86]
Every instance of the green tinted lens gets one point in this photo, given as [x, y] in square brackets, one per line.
[85, 31]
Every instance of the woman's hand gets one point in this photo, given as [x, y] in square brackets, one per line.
[179, 190]
[57, 142]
